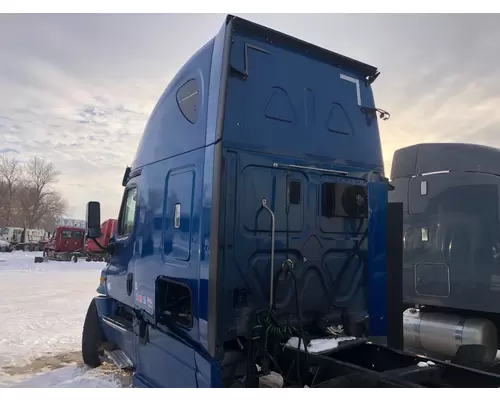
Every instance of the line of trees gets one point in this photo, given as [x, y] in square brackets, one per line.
[27, 195]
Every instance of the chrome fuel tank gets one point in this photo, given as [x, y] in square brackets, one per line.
[443, 334]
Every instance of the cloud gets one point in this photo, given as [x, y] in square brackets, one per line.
[77, 89]
[440, 79]
[88, 131]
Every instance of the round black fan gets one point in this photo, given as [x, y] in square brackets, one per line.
[355, 201]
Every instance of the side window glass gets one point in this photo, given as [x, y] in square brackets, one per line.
[127, 216]
[187, 100]
[328, 200]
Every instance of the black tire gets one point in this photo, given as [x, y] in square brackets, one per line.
[92, 338]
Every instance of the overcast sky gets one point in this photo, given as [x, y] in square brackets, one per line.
[77, 89]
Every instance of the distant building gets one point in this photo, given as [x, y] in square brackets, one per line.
[65, 221]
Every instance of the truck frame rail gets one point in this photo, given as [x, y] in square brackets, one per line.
[372, 365]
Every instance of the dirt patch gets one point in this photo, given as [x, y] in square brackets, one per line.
[56, 361]
[45, 363]
[125, 377]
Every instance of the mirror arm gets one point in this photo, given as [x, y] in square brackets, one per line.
[108, 249]
[98, 244]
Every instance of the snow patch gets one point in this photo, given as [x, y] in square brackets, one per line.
[71, 377]
[271, 380]
[316, 346]
[43, 308]
[425, 363]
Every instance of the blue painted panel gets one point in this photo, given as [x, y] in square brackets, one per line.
[298, 106]
[166, 362]
[162, 250]
[377, 260]
[179, 193]
[318, 256]
[208, 372]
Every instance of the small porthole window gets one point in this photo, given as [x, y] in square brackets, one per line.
[187, 100]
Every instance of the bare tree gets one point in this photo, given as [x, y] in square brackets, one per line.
[10, 175]
[37, 197]
[49, 222]
[27, 195]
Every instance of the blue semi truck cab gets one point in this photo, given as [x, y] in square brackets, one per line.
[255, 245]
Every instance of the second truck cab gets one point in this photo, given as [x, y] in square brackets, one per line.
[65, 241]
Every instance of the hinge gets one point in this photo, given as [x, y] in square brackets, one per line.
[143, 331]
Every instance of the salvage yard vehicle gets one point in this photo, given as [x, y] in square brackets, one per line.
[5, 246]
[24, 239]
[11, 234]
[255, 243]
[65, 244]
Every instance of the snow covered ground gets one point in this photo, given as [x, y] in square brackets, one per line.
[42, 309]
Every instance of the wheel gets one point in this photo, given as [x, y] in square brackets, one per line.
[92, 338]
[74, 258]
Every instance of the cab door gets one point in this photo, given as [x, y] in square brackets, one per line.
[121, 267]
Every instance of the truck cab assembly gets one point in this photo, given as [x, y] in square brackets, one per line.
[255, 245]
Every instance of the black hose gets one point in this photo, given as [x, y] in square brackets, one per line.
[302, 337]
[352, 253]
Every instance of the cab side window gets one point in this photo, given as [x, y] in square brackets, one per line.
[127, 215]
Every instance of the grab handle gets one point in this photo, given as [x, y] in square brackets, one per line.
[273, 234]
